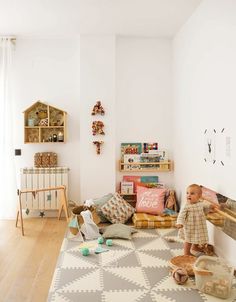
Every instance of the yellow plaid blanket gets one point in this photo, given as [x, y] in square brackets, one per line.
[142, 220]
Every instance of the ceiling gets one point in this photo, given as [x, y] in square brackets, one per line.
[149, 18]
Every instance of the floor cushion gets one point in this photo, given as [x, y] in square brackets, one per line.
[117, 210]
[143, 220]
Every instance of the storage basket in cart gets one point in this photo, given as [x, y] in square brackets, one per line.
[213, 276]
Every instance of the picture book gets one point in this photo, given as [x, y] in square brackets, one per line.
[147, 147]
[151, 179]
[131, 158]
[130, 148]
[126, 187]
[132, 178]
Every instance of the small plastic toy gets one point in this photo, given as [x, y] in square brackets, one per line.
[109, 242]
[100, 240]
[85, 251]
[100, 250]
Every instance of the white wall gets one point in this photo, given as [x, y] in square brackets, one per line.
[143, 95]
[131, 77]
[97, 82]
[47, 70]
[204, 98]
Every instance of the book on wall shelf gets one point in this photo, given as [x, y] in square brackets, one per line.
[130, 148]
[163, 166]
[144, 157]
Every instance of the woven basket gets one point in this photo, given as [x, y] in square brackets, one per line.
[186, 262]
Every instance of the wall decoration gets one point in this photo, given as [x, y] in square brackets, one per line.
[98, 146]
[210, 146]
[97, 128]
[223, 146]
[98, 109]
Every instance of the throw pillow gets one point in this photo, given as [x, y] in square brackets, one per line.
[99, 202]
[119, 230]
[150, 200]
[117, 210]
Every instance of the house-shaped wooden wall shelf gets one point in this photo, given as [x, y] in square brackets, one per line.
[44, 124]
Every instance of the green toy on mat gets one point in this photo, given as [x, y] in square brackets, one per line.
[109, 242]
[100, 240]
[100, 249]
[85, 251]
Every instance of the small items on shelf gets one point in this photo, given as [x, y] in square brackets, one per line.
[164, 166]
[143, 157]
[44, 123]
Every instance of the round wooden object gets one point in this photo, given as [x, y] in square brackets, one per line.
[185, 262]
[180, 275]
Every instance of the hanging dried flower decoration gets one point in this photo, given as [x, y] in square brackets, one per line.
[97, 127]
[98, 146]
[98, 109]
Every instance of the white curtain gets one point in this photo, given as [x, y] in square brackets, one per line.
[8, 196]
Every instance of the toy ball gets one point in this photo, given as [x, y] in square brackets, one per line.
[109, 242]
[180, 275]
[100, 240]
[85, 251]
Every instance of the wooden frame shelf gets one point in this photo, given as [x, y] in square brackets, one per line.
[44, 124]
[162, 166]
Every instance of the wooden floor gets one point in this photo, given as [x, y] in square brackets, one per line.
[27, 263]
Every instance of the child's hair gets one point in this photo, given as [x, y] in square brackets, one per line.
[197, 187]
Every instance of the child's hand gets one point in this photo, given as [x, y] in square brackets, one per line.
[179, 226]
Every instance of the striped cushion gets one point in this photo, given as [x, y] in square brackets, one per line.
[142, 220]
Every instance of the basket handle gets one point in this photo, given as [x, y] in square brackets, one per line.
[203, 273]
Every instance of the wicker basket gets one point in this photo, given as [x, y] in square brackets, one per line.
[213, 276]
[186, 262]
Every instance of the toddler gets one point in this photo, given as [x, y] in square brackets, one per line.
[192, 220]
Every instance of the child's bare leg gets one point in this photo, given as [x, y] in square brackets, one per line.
[187, 247]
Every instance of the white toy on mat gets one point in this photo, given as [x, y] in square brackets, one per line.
[89, 228]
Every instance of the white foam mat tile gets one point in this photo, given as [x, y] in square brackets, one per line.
[144, 234]
[165, 231]
[157, 244]
[71, 261]
[150, 261]
[56, 297]
[112, 256]
[55, 280]
[132, 274]
[129, 296]
[123, 243]
[159, 298]
[90, 282]
[168, 283]
[177, 252]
